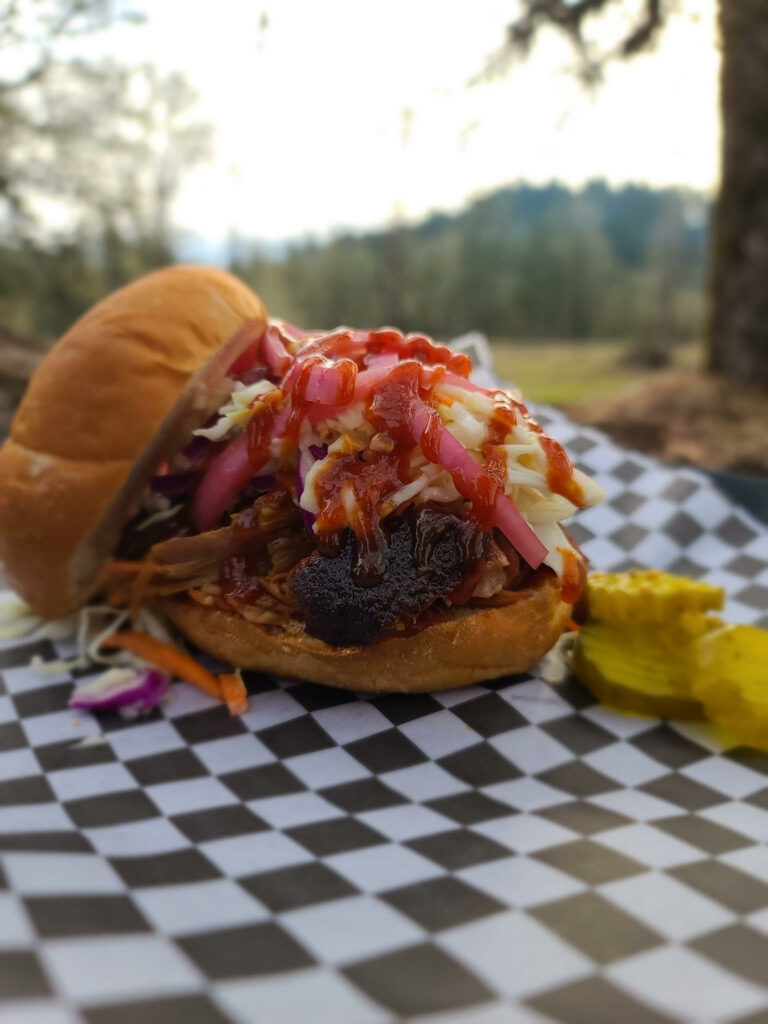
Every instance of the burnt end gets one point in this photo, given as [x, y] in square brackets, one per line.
[429, 554]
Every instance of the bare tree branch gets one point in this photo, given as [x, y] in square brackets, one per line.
[33, 30]
[571, 18]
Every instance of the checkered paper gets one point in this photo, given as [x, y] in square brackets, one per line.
[509, 852]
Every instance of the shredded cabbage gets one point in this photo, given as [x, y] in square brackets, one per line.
[236, 412]
[121, 689]
[467, 418]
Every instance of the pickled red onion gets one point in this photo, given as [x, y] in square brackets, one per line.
[383, 359]
[330, 383]
[461, 382]
[274, 351]
[366, 383]
[454, 457]
[228, 474]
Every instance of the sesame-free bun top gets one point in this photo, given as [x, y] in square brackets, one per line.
[117, 394]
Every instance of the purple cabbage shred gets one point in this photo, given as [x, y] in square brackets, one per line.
[142, 692]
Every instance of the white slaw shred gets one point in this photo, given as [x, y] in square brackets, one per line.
[85, 631]
[159, 516]
[236, 411]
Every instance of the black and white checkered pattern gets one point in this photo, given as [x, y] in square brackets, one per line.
[508, 852]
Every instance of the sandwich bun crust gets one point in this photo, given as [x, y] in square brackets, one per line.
[117, 394]
[469, 646]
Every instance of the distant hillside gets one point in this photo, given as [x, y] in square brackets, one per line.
[523, 261]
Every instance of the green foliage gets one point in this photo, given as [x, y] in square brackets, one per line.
[524, 261]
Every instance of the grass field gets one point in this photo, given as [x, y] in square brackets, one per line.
[558, 372]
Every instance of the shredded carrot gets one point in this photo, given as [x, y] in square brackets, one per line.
[573, 626]
[139, 586]
[235, 693]
[167, 658]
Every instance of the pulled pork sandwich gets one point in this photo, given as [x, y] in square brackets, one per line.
[344, 507]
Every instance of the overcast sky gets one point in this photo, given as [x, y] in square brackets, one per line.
[346, 113]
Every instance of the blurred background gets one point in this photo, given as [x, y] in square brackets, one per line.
[584, 181]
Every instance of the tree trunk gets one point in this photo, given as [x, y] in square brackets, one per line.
[738, 339]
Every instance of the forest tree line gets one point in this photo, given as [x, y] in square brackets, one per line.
[521, 262]
[94, 154]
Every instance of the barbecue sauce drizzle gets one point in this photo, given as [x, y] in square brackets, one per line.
[369, 477]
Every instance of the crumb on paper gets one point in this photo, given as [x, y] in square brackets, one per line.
[97, 740]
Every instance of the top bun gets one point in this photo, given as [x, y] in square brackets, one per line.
[117, 394]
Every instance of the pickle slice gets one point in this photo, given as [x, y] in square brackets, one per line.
[649, 595]
[639, 668]
[732, 681]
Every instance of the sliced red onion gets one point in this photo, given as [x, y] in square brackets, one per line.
[365, 384]
[140, 690]
[228, 474]
[464, 471]
[383, 359]
[274, 351]
[331, 383]
[174, 483]
[369, 379]
[462, 382]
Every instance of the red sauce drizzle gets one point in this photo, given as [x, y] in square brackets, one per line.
[260, 428]
[560, 472]
[387, 339]
[373, 475]
[419, 346]
[391, 407]
[489, 485]
[371, 482]
[236, 580]
[503, 418]
[430, 439]
[571, 591]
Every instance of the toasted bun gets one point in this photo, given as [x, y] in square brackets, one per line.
[468, 647]
[115, 396]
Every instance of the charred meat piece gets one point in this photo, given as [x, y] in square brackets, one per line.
[430, 552]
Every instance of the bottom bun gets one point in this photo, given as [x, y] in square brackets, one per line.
[468, 647]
